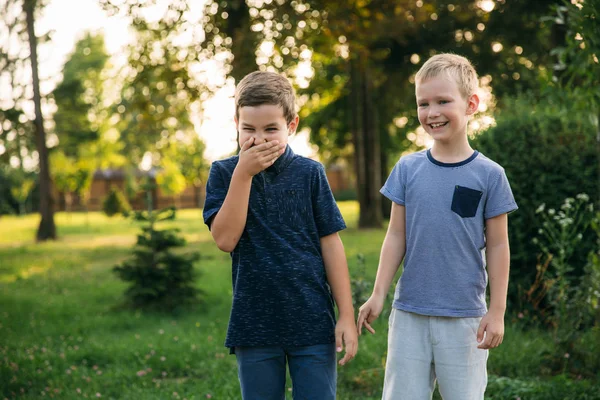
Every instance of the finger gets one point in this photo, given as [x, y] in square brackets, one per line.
[265, 146]
[359, 322]
[247, 144]
[338, 342]
[480, 331]
[369, 327]
[350, 352]
[485, 345]
[347, 357]
[497, 341]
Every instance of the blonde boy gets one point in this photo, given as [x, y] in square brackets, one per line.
[448, 223]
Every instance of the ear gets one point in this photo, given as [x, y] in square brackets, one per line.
[472, 104]
[292, 126]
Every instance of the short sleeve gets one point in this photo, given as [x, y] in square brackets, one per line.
[216, 190]
[394, 187]
[500, 199]
[328, 217]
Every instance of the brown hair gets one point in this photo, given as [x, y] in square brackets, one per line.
[261, 87]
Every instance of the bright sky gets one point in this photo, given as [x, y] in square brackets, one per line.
[70, 19]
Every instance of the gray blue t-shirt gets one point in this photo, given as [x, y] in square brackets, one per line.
[446, 208]
[281, 296]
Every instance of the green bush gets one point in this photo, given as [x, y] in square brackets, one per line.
[160, 279]
[549, 151]
[557, 388]
[115, 203]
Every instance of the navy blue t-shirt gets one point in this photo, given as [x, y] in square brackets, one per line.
[281, 296]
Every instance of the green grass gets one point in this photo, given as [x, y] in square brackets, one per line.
[63, 335]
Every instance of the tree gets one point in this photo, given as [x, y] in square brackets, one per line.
[46, 229]
[162, 86]
[79, 96]
[363, 59]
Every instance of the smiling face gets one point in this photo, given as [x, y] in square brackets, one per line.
[443, 110]
[265, 122]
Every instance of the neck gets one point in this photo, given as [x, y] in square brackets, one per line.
[452, 152]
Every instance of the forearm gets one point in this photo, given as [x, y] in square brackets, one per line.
[338, 277]
[498, 261]
[227, 226]
[392, 254]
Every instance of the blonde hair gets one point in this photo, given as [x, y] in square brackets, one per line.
[453, 66]
[261, 87]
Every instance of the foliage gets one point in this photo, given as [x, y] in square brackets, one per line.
[547, 148]
[573, 299]
[72, 175]
[578, 58]
[80, 94]
[558, 388]
[161, 86]
[170, 179]
[115, 203]
[160, 279]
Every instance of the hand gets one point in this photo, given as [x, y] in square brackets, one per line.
[257, 158]
[493, 326]
[345, 332]
[369, 312]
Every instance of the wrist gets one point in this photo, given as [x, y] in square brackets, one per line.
[497, 309]
[379, 293]
[241, 174]
[346, 314]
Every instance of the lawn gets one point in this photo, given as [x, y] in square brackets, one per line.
[63, 334]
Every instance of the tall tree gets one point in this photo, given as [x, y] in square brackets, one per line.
[46, 229]
[164, 82]
[80, 94]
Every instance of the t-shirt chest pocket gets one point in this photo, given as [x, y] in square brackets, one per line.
[465, 201]
[292, 206]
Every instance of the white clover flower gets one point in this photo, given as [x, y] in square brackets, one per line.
[540, 208]
[551, 211]
[579, 236]
[566, 206]
[583, 196]
[569, 200]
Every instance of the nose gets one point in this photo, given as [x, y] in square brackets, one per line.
[433, 111]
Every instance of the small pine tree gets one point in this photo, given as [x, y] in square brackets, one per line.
[160, 279]
[115, 203]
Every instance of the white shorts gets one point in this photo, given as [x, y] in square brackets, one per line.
[423, 349]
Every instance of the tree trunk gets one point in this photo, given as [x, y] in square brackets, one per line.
[367, 150]
[46, 229]
[243, 43]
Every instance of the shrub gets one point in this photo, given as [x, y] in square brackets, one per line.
[549, 152]
[572, 301]
[115, 203]
[160, 279]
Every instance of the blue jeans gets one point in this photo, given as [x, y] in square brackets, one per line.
[262, 372]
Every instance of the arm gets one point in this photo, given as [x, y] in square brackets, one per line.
[498, 260]
[392, 254]
[228, 224]
[338, 277]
